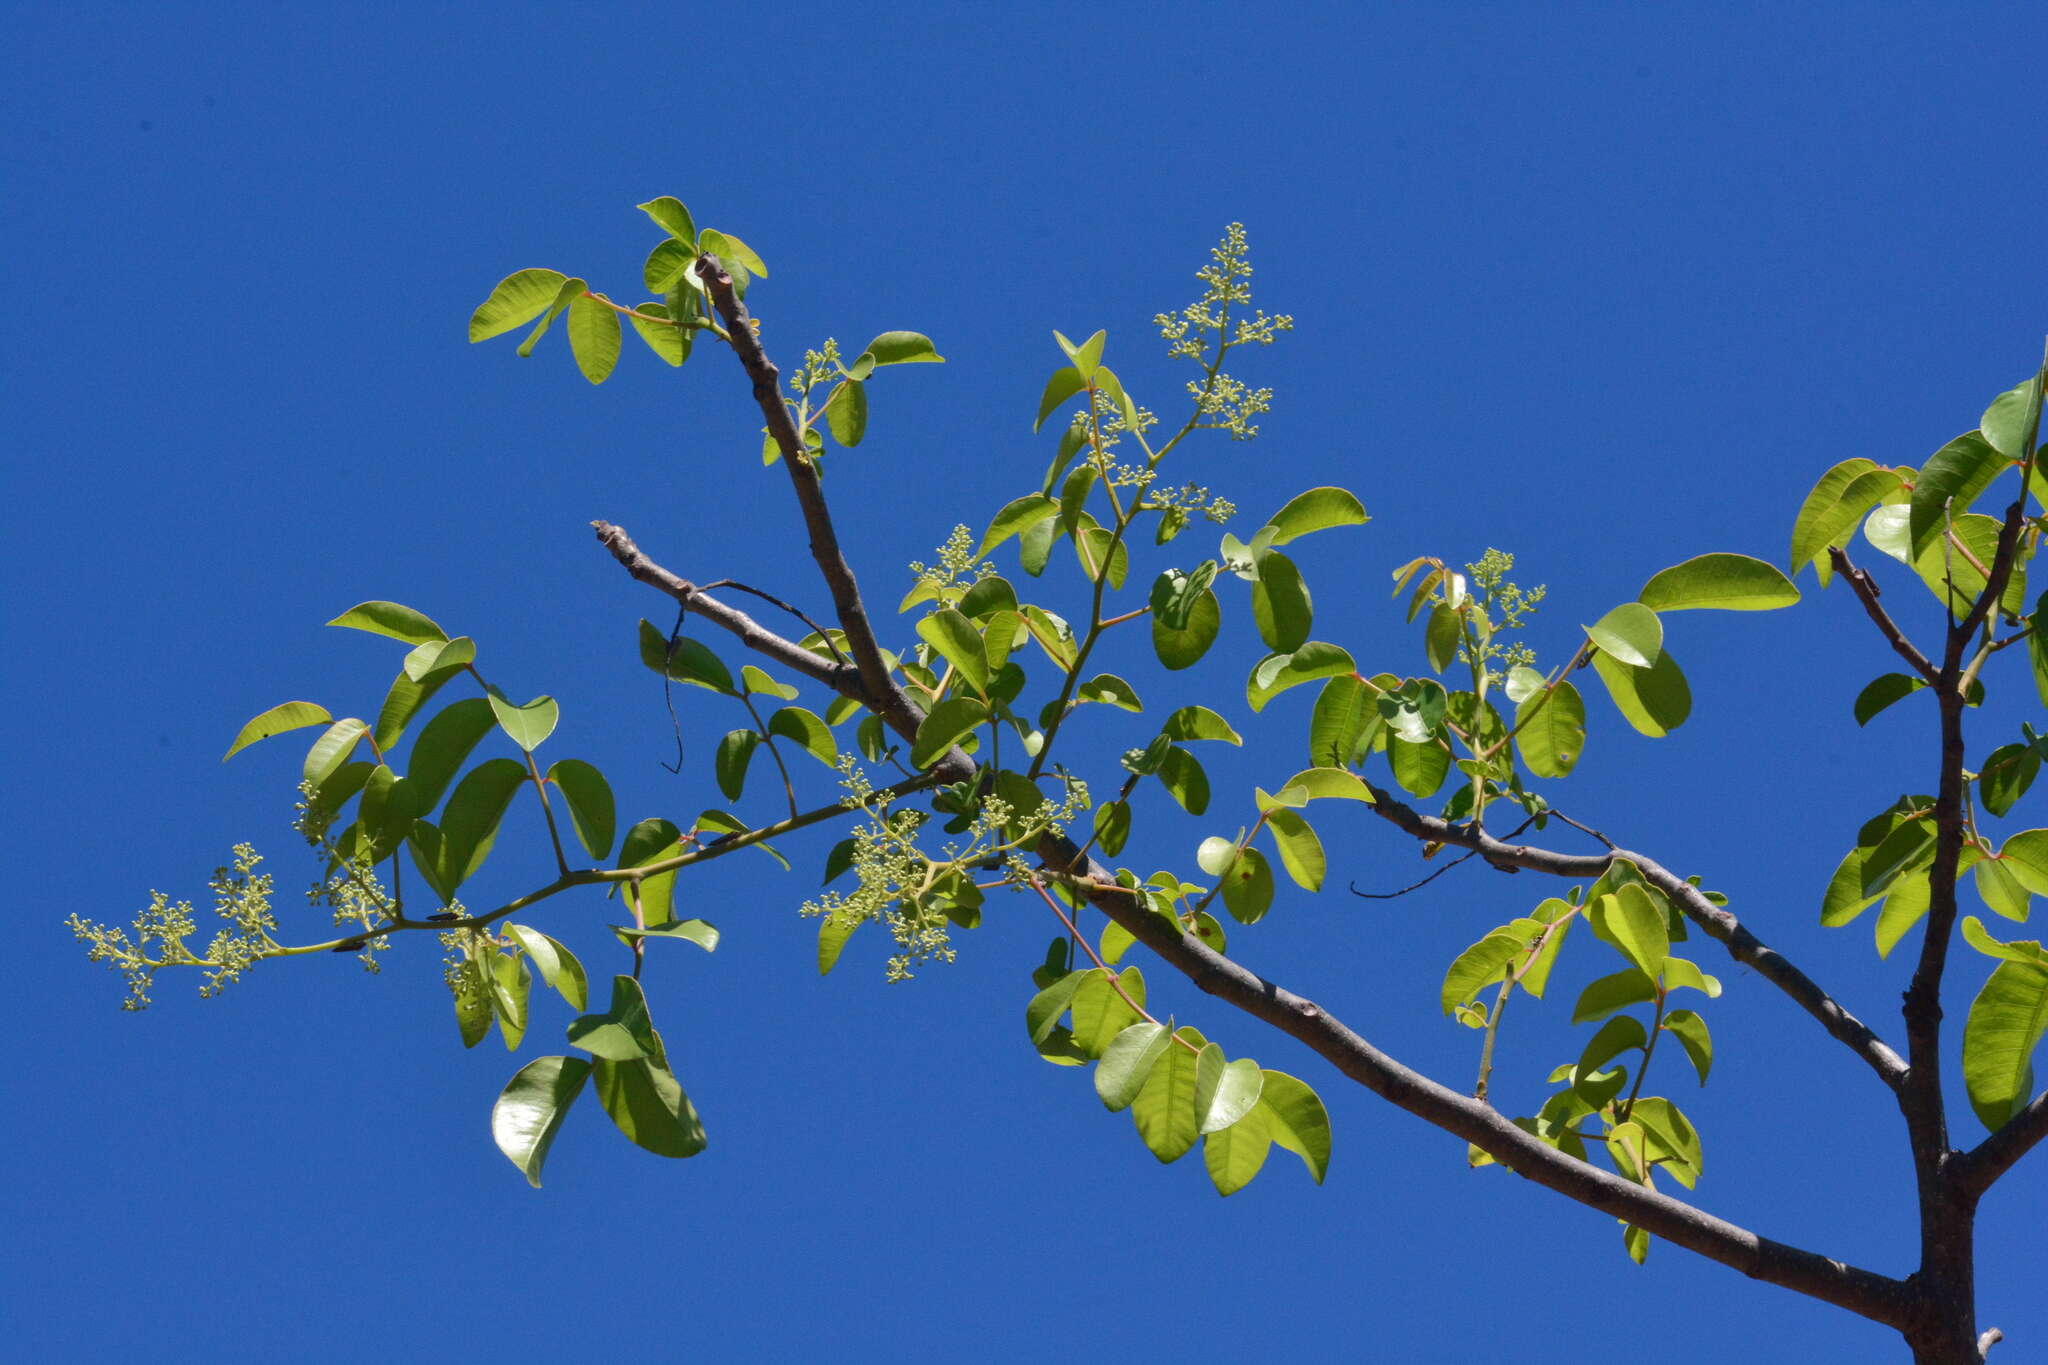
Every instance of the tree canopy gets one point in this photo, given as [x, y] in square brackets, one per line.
[942, 731]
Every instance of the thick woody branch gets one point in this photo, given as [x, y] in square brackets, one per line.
[1978, 1169]
[1866, 592]
[749, 632]
[1744, 946]
[882, 693]
[1865, 1292]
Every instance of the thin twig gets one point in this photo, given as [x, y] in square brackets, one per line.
[1866, 590]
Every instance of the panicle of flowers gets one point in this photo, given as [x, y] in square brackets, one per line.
[1503, 606]
[1179, 506]
[1205, 331]
[241, 897]
[957, 563]
[820, 366]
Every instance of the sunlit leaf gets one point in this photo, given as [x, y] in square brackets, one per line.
[290, 715]
[1727, 582]
[530, 1110]
[1316, 510]
[389, 618]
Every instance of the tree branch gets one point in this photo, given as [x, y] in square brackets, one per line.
[1864, 1292]
[751, 633]
[1744, 946]
[882, 693]
[1979, 1168]
[1866, 593]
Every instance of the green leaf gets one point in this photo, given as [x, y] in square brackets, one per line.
[1295, 1118]
[1691, 1032]
[530, 1110]
[511, 983]
[1344, 718]
[1164, 1109]
[1177, 649]
[1235, 1155]
[571, 289]
[1127, 1061]
[1197, 723]
[1654, 700]
[951, 721]
[729, 763]
[1102, 556]
[807, 731]
[557, 966]
[443, 745]
[518, 299]
[1826, 516]
[833, 931]
[1301, 853]
[1415, 711]
[1616, 1036]
[1183, 776]
[1280, 604]
[1014, 519]
[1276, 673]
[2013, 420]
[667, 269]
[1100, 1013]
[1112, 827]
[289, 715]
[1882, 691]
[1610, 993]
[1419, 768]
[333, 748]
[731, 251]
[664, 340]
[696, 931]
[756, 683]
[1087, 355]
[1999, 1038]
[648, 1105]
[470, 824]
[1110, 690]
[959, 643]
[1726, 582]
[1479, 966]
[439, 657]
[1324, 784]
[1441, 637]
[1174, 593]
[472, 1002]
[1550, 730]
[903, 348]
[2025, 855]
[1905, 905]
[1630, 634]
[1215, 854]
[688, 661]
[1635, 923]
[1910, 844]
[2000, 890]
[1679, 973]
[528, 726]
[1224, 1091]
[1248, 887]
[1042, 1015]
[389, 618]
[1316, 510]
[1063, 384]
[593, 337]
[847, 413]
[671, 217]
[624, 1032]
[589, 799]
[1948, 483]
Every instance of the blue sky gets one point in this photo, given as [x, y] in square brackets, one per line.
[1604, 287]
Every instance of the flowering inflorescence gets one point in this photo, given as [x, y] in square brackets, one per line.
[958, 563]
[241, 897]
[1205, 330]
[1503, 606]
[915, 896]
